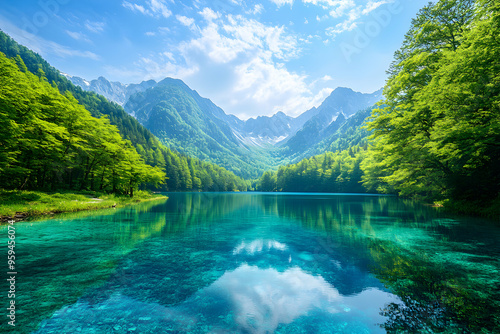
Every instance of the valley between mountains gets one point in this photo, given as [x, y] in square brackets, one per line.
[194, 125]
[433, 136]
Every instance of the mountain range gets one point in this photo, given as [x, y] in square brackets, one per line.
[194, 125]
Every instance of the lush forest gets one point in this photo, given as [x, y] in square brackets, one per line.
[47, 152]
[436, 136]
[50, 141]
[333, 172]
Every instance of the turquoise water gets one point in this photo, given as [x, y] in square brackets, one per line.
[258, 263]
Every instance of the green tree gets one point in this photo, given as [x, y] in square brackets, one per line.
[436, 137]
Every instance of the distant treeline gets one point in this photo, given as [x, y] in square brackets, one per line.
[335, 172]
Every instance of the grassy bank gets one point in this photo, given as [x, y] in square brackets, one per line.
[21, 204]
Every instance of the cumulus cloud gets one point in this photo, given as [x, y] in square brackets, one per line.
[253, 57]
[209, 14]
[225, 39]
[239, 62]
[186, 21]
[265, 81]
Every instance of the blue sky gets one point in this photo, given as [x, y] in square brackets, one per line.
[249, 57]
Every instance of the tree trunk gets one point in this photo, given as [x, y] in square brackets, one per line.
[101, 187]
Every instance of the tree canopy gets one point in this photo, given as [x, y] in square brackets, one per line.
[49, 141]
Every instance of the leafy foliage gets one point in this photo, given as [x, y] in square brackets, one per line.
[437, 137]
[49, 141]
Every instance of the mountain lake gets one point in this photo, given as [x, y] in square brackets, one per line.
[257, 263]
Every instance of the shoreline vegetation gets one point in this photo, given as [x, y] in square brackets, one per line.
[19, 205]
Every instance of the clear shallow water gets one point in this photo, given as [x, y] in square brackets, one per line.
[258, 263]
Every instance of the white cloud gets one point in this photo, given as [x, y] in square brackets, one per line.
[252, 57]
[341, 7]
[372, 5]
[147, 68]
[257, 9]
[280, 3]
[169, 55]
[349, 12]
[95, 27]
[258, 246]
[225, 39]
[159, 7]
[134, 7]
[63, 51]
[347, 25]
[154, 8]
[78, 36]
[239, 62]
[186, 21]
[209, 15]
[266, 81]
[324, 79]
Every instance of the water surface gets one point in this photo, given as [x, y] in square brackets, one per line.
[259, 263]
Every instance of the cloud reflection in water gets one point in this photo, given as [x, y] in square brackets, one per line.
[247, 299]
[258, 246]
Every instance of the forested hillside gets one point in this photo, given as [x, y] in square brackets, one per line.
[183, 173]
[348, 133]
[50, 142]
[184, 121]
[329, 117]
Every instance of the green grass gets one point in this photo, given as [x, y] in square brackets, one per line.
[35, 203]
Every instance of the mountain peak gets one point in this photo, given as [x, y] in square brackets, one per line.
[343, 89]
[280, 114]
